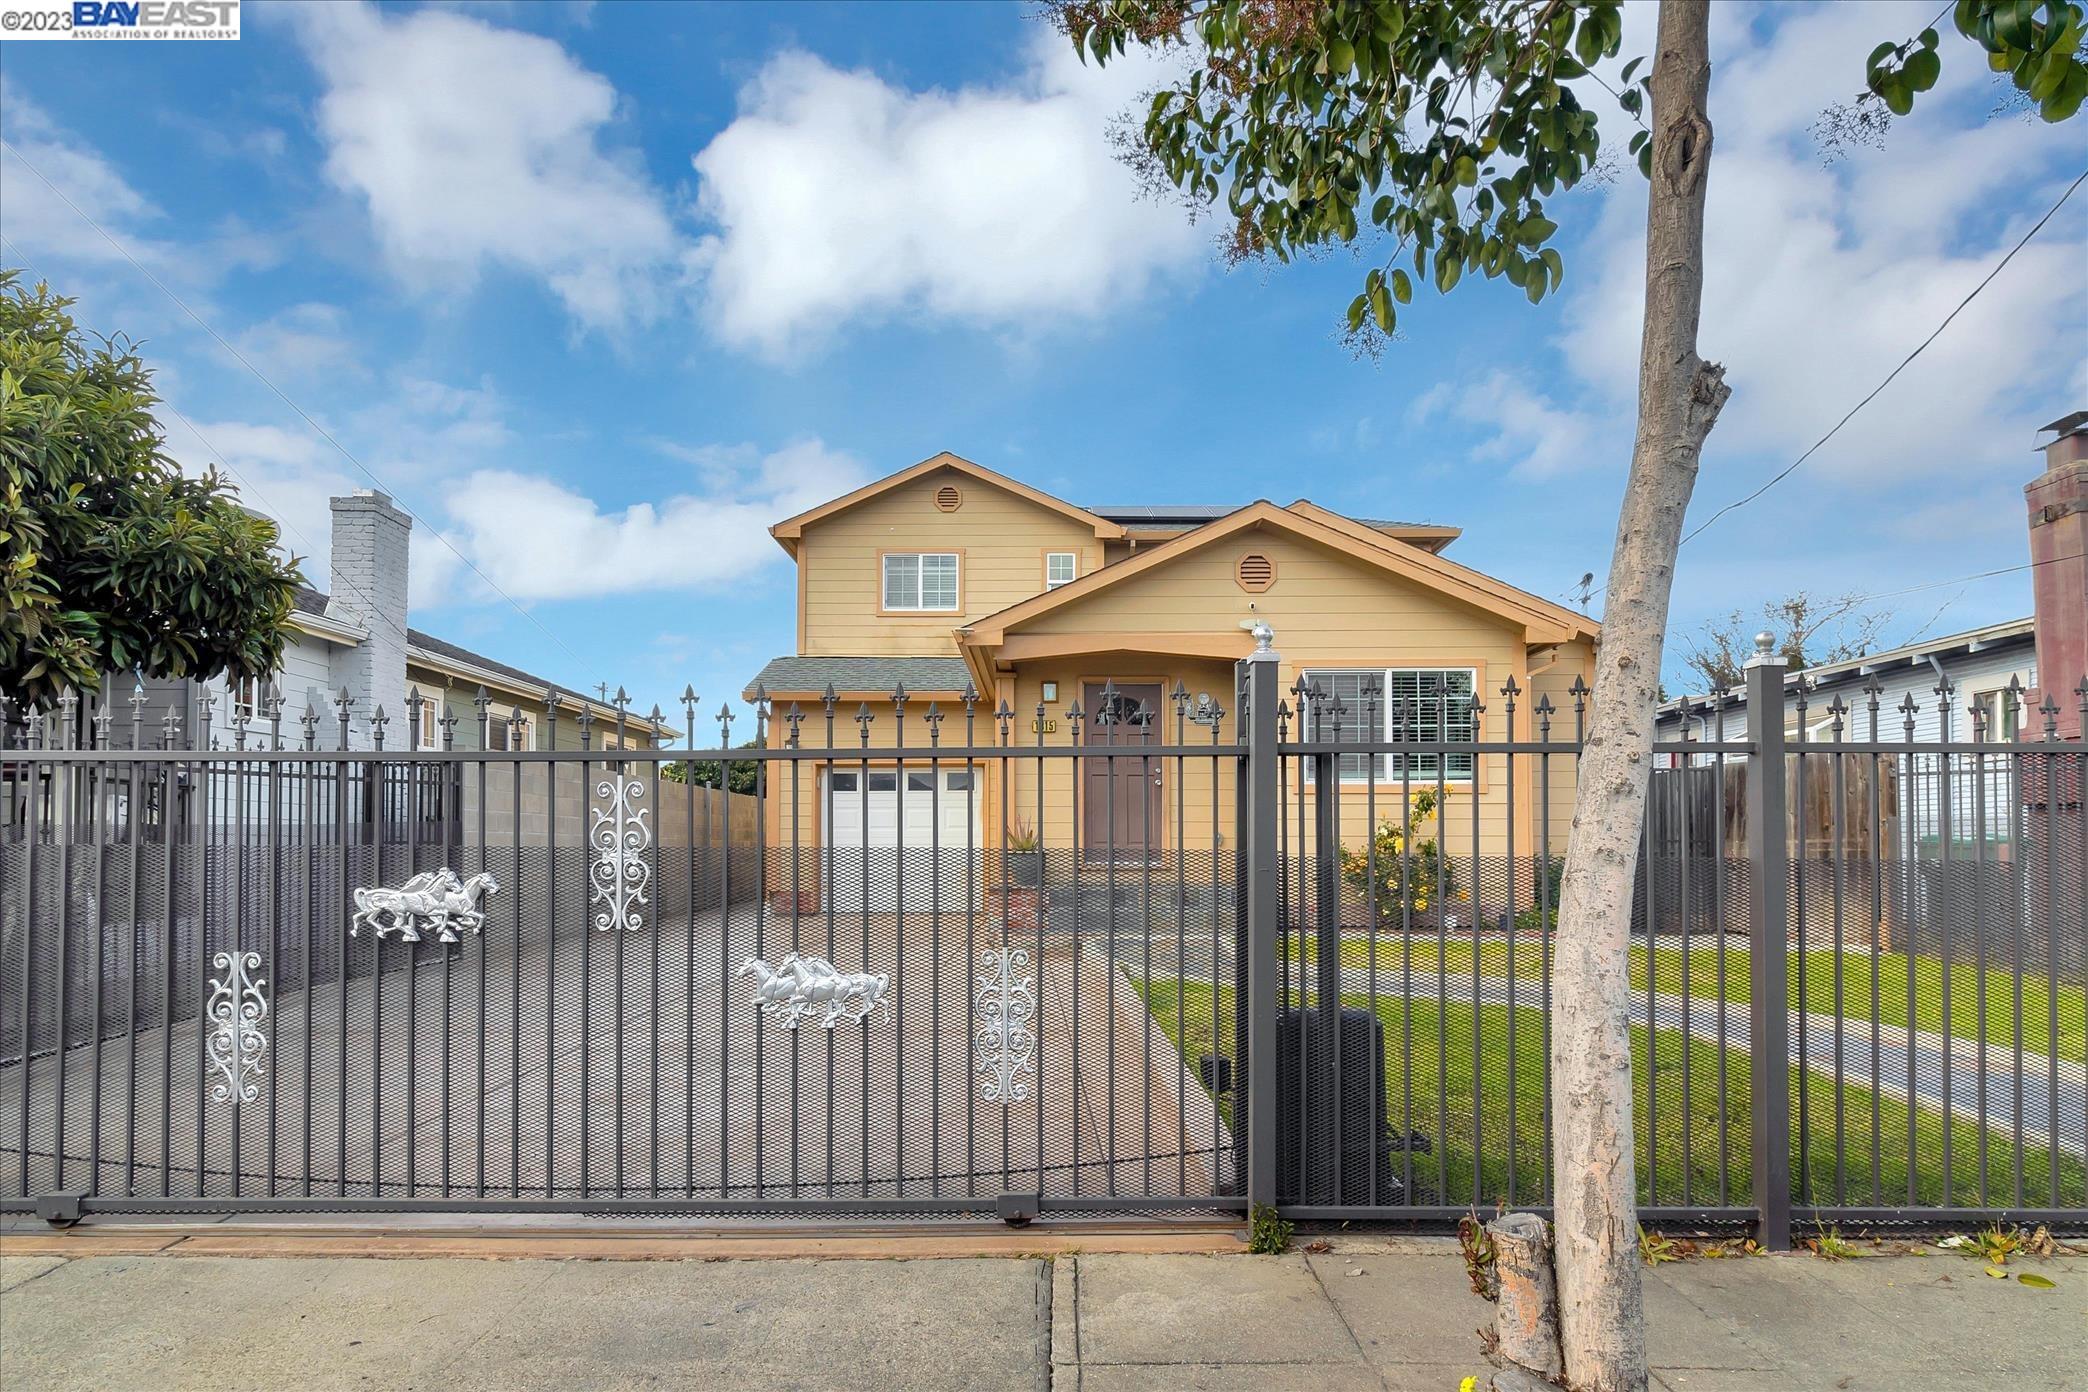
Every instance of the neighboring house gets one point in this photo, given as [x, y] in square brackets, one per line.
[1978, 665]
[357, 639]
[948, 574]
[1987, 684]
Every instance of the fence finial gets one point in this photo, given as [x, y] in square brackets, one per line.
[1765, 654]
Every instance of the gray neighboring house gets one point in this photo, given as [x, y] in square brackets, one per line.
[2042, 655]
[356, 638]
[1978, 664]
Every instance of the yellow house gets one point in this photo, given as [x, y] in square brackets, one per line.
[1122, 627]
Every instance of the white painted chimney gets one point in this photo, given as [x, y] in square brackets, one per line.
[368, 589]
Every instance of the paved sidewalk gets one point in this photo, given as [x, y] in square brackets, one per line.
[1376, 1313]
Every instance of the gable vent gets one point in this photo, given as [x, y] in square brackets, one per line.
[948, 499]
[1255, 572]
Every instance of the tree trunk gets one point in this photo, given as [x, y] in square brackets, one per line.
[1602, 1322]
[1526, 1310]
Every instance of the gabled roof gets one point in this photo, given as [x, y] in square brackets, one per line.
[2012, 633]
[424, 649]
[790, 529]
[1541, 620]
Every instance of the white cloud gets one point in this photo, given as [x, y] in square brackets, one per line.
[836, 196]
[422, 432]
[1821, 277]
[536, 539]
[1525, 432]
[35, 216]
[304, 340]
[477, 146]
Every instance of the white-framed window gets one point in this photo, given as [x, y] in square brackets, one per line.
[923, 582]
[247, 696]
[504, 737]
[424, 724]
[1424, 705]
[2000, 716]
[1060, 568]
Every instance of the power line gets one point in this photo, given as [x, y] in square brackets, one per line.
[1872, 395]
[1792, 467]
[261, 377]
[1966, 579]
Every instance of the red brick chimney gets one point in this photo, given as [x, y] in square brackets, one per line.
[2058, 505]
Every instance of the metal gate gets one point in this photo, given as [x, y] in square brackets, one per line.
[279, 977]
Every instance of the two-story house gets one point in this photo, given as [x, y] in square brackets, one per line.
[947, 575]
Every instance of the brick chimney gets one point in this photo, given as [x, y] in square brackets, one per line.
[2058, 505]
[369, 590]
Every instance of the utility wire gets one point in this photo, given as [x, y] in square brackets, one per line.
[1965, 579]
[261, 377]
[1792, 467]
[1872, 395]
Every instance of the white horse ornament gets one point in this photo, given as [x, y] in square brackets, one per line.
[798, 988]
[446, 902]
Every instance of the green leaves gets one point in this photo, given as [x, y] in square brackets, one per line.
[1440, 128]
[111, 558]
[2038, 43]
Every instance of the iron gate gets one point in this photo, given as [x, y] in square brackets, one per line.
[592, 977]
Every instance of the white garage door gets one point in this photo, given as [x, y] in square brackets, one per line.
[872, 861]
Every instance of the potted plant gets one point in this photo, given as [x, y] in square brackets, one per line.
[1024, 855]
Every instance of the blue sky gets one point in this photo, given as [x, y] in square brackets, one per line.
[599, 291]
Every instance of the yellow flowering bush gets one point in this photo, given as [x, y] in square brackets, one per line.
[1411, 877]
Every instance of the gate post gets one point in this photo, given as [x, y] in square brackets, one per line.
[1263, 692]
[1768, 940]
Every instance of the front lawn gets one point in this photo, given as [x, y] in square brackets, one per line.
[2041, 999]
[1461, 1100]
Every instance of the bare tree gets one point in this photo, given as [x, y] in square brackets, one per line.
[1816, 630]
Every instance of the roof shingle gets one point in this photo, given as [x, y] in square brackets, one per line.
[798, 675]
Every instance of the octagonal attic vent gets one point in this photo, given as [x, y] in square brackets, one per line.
[948, 499]
[1255, 572]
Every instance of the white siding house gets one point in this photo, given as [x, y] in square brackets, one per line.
[1974, 670]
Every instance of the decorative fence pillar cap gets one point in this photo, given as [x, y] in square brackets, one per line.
[1264, 640]
[1765, 654]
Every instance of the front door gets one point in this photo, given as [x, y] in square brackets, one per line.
[1122, 818]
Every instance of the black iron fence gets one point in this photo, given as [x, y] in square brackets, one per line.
[945, 957]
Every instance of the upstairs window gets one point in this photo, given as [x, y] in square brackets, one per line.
[1059, 568]
[921, 582]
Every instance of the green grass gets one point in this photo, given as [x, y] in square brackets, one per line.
[1466, 1110]
[1702, 981]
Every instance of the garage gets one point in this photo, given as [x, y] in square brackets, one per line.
[921, 838]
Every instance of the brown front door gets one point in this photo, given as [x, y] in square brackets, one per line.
[1122, 817]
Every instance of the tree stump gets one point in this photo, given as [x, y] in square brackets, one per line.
[1526, 1316]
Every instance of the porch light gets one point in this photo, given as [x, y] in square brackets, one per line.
[1050, 691]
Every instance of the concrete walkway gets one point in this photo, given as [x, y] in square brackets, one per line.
[1945, 1070]
[1373, 1313]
